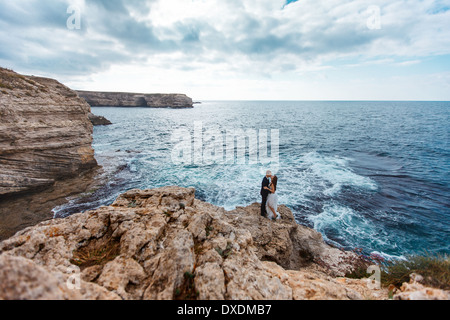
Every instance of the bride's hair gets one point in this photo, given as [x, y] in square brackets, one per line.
[275, 182]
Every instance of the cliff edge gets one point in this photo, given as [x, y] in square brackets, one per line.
[123, 99]
[164, 244]
[45, 138]
[45, 133]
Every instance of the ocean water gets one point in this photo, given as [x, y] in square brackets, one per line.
[370, 175]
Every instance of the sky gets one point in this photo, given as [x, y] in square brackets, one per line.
[235, 49]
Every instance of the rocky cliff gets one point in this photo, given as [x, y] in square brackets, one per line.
[121, 99]
[164, 244]
[45, 137]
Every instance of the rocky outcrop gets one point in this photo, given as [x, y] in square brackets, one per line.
[122, 99]
[164, 244]
[45, 133]
[98, 120]
[290, 245]
[25, 280]
[45, 137]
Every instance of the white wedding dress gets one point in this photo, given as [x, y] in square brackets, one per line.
[272, 201]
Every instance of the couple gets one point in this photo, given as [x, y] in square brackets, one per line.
[269, 197]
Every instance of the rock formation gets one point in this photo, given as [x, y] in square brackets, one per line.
[164, 244]
[45, 136]
[290, 245]
[122, 99]
[98, 120]
[45, 133]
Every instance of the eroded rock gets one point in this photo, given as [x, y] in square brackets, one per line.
[164, 244]
[45, 145]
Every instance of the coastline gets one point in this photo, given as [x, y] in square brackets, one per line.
[157, 237]
[143, 100]
[158, 244]
[18, 212]
[46, 147]
[163, 244]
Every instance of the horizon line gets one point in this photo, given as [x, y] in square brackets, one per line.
[318, 100]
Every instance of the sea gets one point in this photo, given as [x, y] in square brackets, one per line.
[371, 176]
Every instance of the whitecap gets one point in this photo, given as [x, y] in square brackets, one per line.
[334, 173]
[350, 226]
[389, 257]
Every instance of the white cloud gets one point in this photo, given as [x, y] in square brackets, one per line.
[222, 49]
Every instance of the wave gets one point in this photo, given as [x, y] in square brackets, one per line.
[346, 227]
[389, 257]
[359, 185]
[334, 172]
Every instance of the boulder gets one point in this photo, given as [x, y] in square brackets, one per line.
[99, 120]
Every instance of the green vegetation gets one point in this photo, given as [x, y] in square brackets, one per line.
[435, 269]
[5, 86]
[227, 252]
[96, 253]
[187, 291]
[29, 81]
[132, 204]
[11, 80]
[208, 230]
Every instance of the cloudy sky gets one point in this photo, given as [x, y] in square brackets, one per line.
[235, 49]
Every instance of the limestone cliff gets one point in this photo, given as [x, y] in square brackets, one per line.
[45, 133]
[45, 137]
[122, 99]
[164, 244]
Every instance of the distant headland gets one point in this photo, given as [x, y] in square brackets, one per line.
[124, 99]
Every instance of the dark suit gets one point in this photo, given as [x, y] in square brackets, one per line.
[264, 194]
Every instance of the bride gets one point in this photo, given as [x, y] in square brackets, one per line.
[272, 200]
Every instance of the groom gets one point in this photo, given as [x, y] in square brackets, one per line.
[265, 193]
